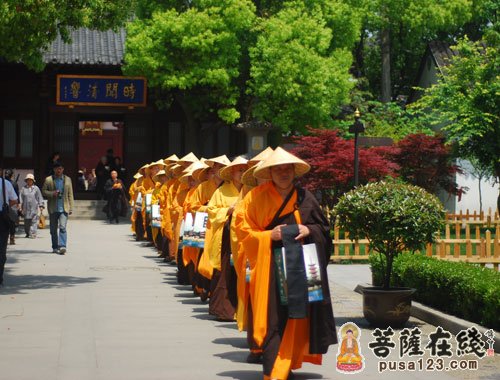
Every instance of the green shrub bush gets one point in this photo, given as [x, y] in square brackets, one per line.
[464, 290]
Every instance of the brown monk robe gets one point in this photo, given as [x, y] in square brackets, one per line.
[223, 299]
[286, 342]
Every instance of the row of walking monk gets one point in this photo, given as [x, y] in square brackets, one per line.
[254, 209]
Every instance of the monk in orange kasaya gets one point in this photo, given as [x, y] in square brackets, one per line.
[279, 215]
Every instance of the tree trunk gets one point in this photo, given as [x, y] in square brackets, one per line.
[385, 49]
[191, 127]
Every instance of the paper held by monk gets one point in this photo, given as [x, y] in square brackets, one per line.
[195, 229]
[155, 216]
[138, 202]
[312, 270]
[149, 198]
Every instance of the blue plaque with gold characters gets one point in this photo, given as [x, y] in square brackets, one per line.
[96, 90]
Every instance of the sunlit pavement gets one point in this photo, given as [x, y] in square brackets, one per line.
[110, 309]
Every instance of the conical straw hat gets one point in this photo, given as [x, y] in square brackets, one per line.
[158, 163]
[223, 160]
[248, 178]
[143, 168]
[156, 177]
[176, 169]
[187, 159]
[226, 172]
[201, 174]
[195, 166]
[261, 156]
[281, 157]
[171, 159]
[137, 175]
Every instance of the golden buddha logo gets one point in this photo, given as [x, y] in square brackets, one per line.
[349, 358]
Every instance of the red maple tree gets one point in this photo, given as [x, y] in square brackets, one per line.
[332, 164]
[426, 161]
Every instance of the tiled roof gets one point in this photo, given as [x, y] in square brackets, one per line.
[441, 53]
[88, 47]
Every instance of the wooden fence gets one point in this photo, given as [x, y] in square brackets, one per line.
[467, 245]
[487, 219]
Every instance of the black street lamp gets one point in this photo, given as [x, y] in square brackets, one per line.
[357, 127]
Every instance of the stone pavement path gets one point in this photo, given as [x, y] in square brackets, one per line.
[110, 309]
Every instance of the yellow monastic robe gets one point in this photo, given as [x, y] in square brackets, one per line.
[240, 260]
[172, 192]
[134, 191]
[177, 213]
[261, 204]
[155, 200]
[200, 201]
[223, 198]
[148, 185]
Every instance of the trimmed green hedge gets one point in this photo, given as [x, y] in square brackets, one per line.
[464, 290]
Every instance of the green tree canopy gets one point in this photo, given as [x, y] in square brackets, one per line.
[286, 62]
[28, 27]
[395, 34]
[299, 72]
[465, 102]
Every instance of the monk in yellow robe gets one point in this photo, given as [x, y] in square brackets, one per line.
[148, 186]
[201, 198]
[157, 199]
[178, 189]
[220, 209]
[132, 192]
[189, 255]
[286, 340]
[137, 214]
[244, 316]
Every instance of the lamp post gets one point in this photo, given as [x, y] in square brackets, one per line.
[357, 127]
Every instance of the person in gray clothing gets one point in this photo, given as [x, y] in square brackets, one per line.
[31, 203]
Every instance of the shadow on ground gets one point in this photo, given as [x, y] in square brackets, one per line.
[19, 284]
[234, 342]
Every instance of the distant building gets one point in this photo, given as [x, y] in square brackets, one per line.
[61, 109]
[437, 55]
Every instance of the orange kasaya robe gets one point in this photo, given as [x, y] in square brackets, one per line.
[260, 205]
[166, 223]
[189, 254]
[200, 201]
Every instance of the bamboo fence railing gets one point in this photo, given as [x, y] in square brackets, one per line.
[462, 241]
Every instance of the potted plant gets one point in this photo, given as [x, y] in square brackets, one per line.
[394, 217]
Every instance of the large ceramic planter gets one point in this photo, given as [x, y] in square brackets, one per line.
[383, 308]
